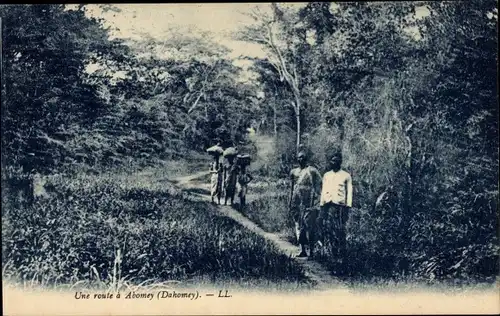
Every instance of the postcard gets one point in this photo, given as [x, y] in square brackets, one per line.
[335, 158]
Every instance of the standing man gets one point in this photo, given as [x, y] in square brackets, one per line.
[243, 179]
[336, 201]
[230, 178]
[216, 172]
[216, 178]
[304, 195]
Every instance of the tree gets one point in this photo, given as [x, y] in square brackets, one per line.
[411, 100]
[194, 86]
[46, 50]
[276, 32]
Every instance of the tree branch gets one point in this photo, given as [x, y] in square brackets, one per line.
[286, 74]
[202, 89]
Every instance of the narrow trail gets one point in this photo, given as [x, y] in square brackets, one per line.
[313, 270]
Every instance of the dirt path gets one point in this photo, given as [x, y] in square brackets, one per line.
[313, 270]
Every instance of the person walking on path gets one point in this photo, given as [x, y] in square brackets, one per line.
[304, 196]
[216, 179]
[243, 179]
[336, 200]
[230, 178]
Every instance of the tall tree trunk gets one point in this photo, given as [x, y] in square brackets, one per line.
[275, 113]
[297, 105]
[275, 127]
[298, 128]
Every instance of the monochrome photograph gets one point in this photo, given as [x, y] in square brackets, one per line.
[207, 158]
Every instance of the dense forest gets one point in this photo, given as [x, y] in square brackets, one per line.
[410, 99]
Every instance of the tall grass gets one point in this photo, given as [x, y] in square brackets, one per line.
[114, 231]
[267, 206]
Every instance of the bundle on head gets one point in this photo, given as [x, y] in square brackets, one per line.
[243, 160]
[231, 151]
[215, 150]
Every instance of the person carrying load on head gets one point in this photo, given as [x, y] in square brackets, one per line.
[336, 200]
[230, 174]
[304, 196]
[216, 171]
[243, 178]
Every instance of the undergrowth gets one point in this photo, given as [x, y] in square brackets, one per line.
[382, 249]
[114, 231]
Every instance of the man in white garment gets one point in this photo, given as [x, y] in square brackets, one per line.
[335, 202]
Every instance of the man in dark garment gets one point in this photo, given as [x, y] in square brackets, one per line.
[230, 178]
[304, 196]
